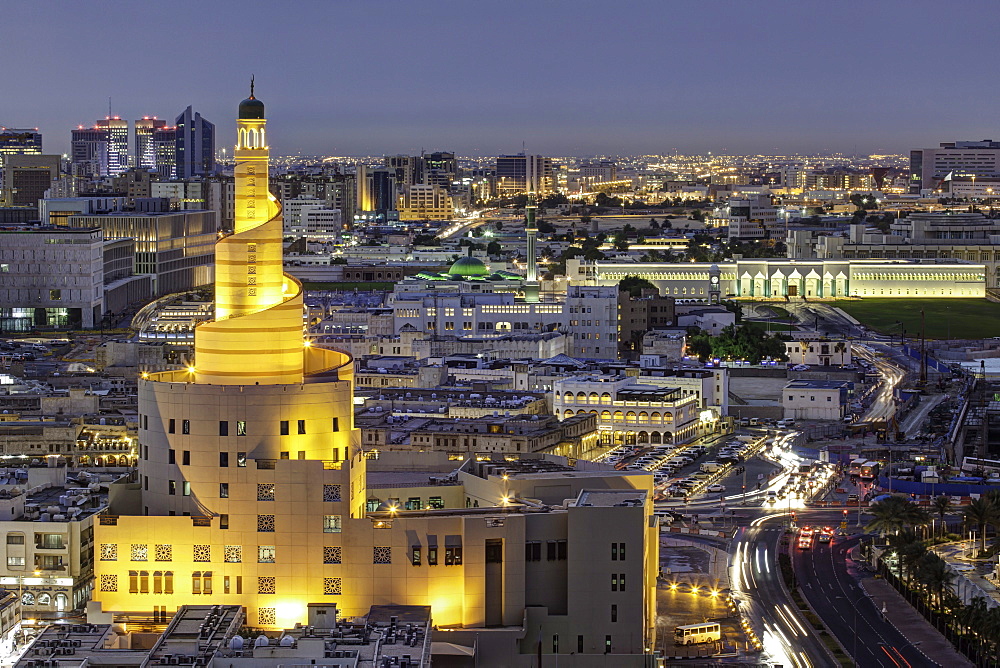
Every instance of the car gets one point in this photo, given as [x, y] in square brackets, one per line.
[852, 498]
[716, 488]
[772, 496]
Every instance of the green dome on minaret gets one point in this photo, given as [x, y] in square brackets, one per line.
[468, 266]
[251, 108]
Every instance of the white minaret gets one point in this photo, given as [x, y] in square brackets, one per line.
[531, 275]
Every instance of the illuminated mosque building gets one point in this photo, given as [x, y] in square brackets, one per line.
[253, 489]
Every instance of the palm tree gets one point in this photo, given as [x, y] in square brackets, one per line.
[935, 575]
[803, 346]
[907, 548]
[981, 513]
[894, 513]
[941, 505]
[841, 348]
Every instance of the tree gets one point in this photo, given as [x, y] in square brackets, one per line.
[493, 248]
[934, 574]
[621, 243]
[634, 285]
[981, 513]
[497, 225]
[698, 215]
[544, 226]
[941, 505]
[893, 514]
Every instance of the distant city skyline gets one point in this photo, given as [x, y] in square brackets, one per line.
[559, 78]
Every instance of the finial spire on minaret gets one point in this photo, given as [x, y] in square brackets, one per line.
[251, 87]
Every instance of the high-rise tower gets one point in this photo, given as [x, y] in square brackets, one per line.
[145, 149]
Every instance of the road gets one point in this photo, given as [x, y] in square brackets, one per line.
[756, 584]
[828, 579]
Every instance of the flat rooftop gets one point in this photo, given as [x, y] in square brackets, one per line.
[612, 498]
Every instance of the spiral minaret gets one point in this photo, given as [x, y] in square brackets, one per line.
[256, 336]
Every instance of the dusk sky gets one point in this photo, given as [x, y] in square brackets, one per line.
[478, 78]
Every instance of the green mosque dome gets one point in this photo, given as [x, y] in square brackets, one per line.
[468, 266]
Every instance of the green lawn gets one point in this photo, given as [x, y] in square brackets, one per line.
[944, 318]
[342, 286]
[772, 326]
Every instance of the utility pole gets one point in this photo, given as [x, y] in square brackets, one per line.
[923, 353]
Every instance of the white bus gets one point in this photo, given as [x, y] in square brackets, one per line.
[692, 634]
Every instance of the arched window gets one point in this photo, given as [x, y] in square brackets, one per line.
[133, 582]
[168, 582]
[606, 398]
[581, 397]
[27, 598]
[654, 418]
[619, 416]
[668, 418]
[643, 416]
[569, 397]
[605, 416]
[44, 599]
[568, 413]
[157, 582]
[630, 416]
[62, 602]
[593, 398]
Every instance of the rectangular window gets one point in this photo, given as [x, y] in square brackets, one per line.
[223, 490]
[15, 539]
[224, 459]
[331, 523]
[621, 582]
[302, 426]
[265, 554]
[579, 644]
[555, 643]
[561, 550]
[412, 503]
[171, 426]
[621, 551]
[185, 426]
[223, 427]
[607, 644]
[432, 556]
[186, 458]
[415, 555]
[494, 551]
[15, 562]
[55, 295]
[186, 488]
[614, 613]
[241, 428]
[453, 556]
[336, 424]
[283, 428]
[241, 459]
[283, 454]
[614, 582]
[171, 458]
[550, 551]
[171, 487]
[223, 521]
[533, 550]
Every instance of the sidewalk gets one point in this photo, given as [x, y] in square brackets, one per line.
[912, 625]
